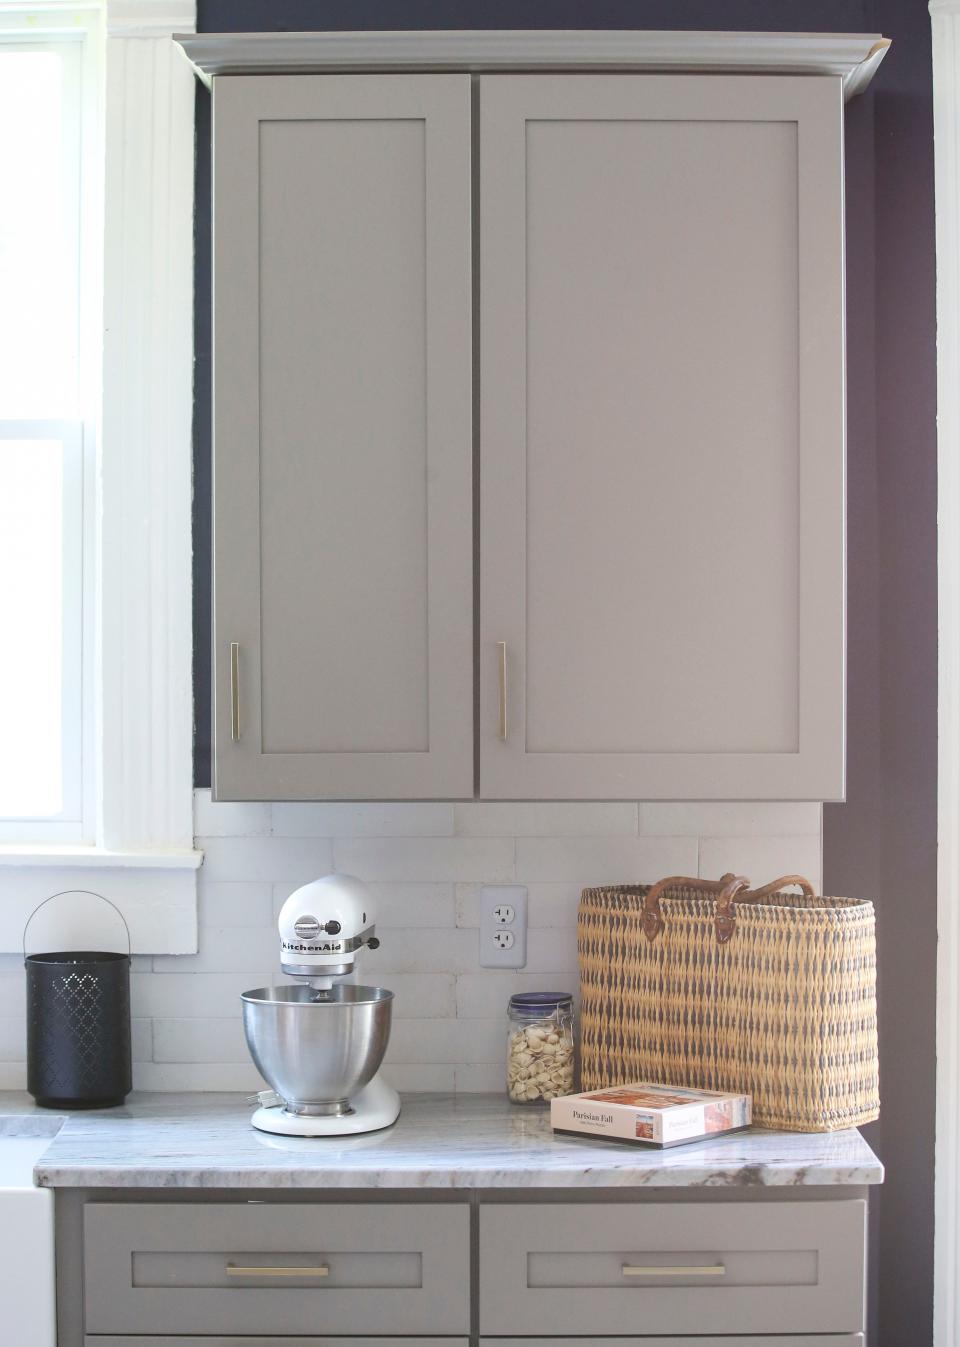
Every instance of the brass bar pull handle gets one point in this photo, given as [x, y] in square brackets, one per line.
[235, 691]
[234, 1271]
[714, 1270]
[503, 690]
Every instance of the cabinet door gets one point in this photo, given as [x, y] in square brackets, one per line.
[662, 437]
[343, 583]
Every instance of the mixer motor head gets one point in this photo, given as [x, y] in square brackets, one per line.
[322, 927]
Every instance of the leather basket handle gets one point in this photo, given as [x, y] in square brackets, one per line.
[725, 889]
[726, 919]
[775, 885]
[784, 882]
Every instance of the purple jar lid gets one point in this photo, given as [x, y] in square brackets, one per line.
[539, 1001]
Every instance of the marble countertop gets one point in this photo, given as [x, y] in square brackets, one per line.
[439, 1141]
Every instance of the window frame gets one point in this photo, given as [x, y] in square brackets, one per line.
[70, 824]
[76, 32]
[137, 342]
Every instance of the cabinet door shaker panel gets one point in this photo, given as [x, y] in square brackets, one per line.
[343, 586]
[662, 437]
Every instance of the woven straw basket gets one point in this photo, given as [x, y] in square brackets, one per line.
[720, 987]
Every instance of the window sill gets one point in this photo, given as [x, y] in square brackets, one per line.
[80, 856]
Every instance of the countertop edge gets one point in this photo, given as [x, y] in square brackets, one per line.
[313, 1180]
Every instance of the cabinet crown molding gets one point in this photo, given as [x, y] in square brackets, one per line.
[854, 57]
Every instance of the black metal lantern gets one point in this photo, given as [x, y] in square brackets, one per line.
[78, 1024]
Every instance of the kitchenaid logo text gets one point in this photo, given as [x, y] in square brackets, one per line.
[581, 1115]
[325, 947]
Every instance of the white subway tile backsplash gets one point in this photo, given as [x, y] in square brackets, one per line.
[190, 995]
[467, 901]
[13, 1039]
[227, 819]
[425, 863]
[481, 1077]
[730, 819]
[552, 949]
[605, 860]
[430, 905]
[272, 859]
[436, 1076]
[226, 949]
[545, 820]
[453, 1041]
[485, 995]
[489, 859]
[420, 951]
[363, 820]
[167, 1076]
[421, 996]
[235, 904]
[281, 892]
[13, 994]
[761, 858]
[195, 1040]
[141, 1040]
[553, 904]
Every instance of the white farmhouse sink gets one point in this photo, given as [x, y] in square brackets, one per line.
[27, 1287]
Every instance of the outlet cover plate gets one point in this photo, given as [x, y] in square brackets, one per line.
[503, 908]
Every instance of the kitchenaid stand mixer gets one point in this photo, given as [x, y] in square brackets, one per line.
[320, 1045]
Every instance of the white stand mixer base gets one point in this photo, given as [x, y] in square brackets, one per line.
[376, 1106]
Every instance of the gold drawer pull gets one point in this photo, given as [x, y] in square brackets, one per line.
[716, 1270]
[234, 1271]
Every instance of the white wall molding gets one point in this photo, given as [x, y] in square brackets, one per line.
[146, 624]
[150, 18]
[946, 102]
[159, 905]
[854, 57]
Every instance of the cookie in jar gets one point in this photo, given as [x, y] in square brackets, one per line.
[539, 1047]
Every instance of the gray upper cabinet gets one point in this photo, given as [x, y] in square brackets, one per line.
[343, 556]
[657, 368]
[662, 437]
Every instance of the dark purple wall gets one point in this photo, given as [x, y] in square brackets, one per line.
[882, 842]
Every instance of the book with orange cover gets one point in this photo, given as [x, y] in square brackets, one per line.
[651, 1115]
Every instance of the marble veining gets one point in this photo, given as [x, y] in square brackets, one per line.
[451, 1141]
[35, 1123]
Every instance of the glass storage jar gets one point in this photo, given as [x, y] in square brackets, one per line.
[539, 1046]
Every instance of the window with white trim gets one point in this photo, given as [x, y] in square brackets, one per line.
[49, 299]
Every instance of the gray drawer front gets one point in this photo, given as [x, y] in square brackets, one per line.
[219, 1341]
[192, 1269]
[772, 1267]
[751, 1340]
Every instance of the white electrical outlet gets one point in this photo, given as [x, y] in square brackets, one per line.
[503, 926]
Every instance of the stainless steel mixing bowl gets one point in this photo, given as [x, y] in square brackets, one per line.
[317, 1049]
